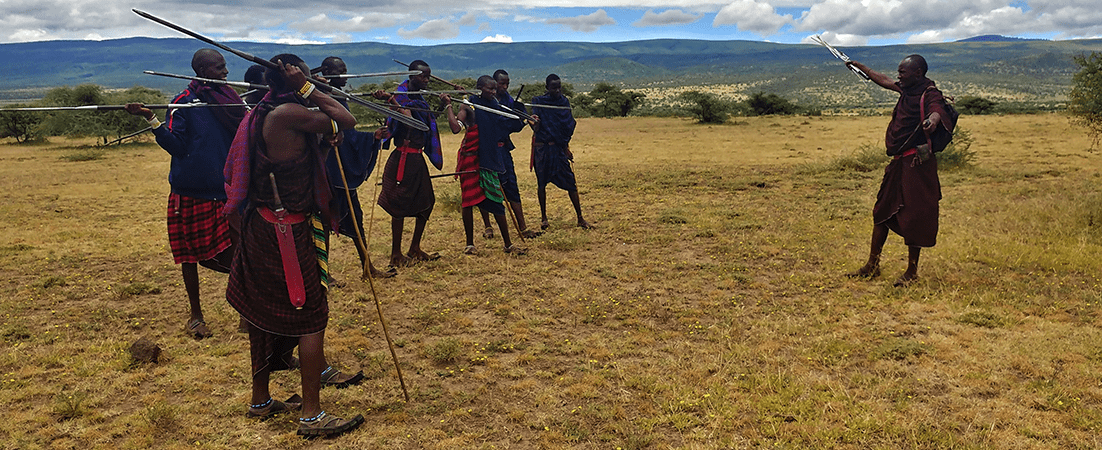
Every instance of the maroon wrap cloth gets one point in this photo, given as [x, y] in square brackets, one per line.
[196, 229]
[903, 132]
[407, 188]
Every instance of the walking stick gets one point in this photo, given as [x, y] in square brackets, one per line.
[367, 271]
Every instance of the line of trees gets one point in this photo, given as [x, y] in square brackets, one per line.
[105, 125]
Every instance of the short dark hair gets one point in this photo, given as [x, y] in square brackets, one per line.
[482, 80]
[500, 72]
[255, 74]
[417, 63]
[920, 61]
[330, 63]
[551, 78]
[275, 76]
[201, 56]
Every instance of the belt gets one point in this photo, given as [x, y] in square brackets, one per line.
[402, 161]
[282, 220]
[907, 153]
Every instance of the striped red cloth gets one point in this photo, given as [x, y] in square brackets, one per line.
[468, 162]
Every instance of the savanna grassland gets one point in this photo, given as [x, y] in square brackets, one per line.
[709, 309]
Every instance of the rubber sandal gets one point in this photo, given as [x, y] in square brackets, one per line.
[294, 403]
[488, 233]
[514, 250]
[326, 425]
[470, 250]
[529, 234]
[330, 374]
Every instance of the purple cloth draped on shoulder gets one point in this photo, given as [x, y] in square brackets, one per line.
[239, 161]
[432, 142]
[220, 94]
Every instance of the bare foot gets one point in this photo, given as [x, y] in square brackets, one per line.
[545, 224]
[390, 272]
[529, 234]
[400, 261]
[866, 271]
[419, 255]
[586, 225]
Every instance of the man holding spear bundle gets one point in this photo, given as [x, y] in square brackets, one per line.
[907, 202]
[279, 278]
[198, 139]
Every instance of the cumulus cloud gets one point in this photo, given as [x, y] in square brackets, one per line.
[751, 15]
[839, 40]
[323, 24]
[468, 19]
[498, 38]
[667, 17]
[437, 29]
[585, 24]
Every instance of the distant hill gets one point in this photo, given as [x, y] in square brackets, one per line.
[1005, 69]
[996, 38]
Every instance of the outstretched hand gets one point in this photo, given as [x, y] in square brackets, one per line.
[930, 124]
[138, 109]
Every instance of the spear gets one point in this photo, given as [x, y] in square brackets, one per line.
[143, 130]
[366, 75]
[537, 105]
[433, 92]
[449, 83]
[240, 84]
[123, 107]
[842, 56]
[408, 121]
[490, 110]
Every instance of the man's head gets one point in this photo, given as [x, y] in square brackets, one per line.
[554, 86]
[487, 87]
[255, 74]
[274, 77]
[419, 82]
[334, 66]
[208, 63]
[502, 79]
[912, 70]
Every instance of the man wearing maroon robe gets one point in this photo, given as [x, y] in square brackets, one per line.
[907, 202]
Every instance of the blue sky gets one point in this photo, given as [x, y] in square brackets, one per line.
[430, 22]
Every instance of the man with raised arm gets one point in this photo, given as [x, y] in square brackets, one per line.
[277, 188]
[358, 152]
[907, 202]
[482, 151]
[407, 188]
[198, 139]
[551, 156]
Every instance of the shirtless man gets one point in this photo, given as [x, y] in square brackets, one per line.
[278, 279]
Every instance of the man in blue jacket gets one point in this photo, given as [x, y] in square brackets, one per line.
[198, 140]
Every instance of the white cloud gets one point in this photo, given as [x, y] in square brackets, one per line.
[436, 29]
[667, 17]
[751, 15]
[325, 25]
[585, 24]
[498, 38]
[839, 40]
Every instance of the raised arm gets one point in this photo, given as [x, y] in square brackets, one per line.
[883, 80]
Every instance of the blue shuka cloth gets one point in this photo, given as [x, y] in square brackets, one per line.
[492, 129]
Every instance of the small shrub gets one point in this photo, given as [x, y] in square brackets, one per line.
[900, 349]
[958, 154]
[450, 198]
[51, 281]
[444, 351]
[970, 105]
[981, 318]
[162, 416]
[135, 289]
[84, 154]
[70, 406]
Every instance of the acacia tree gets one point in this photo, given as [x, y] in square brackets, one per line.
[21, 125]
[706, 107]
[606, 100]
[1085, 103]
[105, 125]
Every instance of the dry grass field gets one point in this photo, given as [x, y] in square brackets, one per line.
[709, 311]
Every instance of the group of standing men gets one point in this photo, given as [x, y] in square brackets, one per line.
[255, 193]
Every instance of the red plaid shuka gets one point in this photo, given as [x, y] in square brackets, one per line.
[197, 230]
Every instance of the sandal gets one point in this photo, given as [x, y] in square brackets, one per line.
[529, 234]
[325, 425]
[330, 374]
[514, 250]
[470, 250]
[197, 328]
[488, 233]
[273, 407]
[545, 224]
